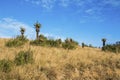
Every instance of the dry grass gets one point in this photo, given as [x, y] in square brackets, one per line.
[61, 64]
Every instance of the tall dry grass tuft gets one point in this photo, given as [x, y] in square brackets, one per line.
[60, 64]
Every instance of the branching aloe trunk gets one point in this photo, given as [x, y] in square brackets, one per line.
[22, 30]
[37, 27]
[103, 40]
[83, 45]
[103, 43]
[22, 34]
[37, 34]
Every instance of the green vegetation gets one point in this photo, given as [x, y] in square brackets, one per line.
[37, 28]
[6, 65]
[113, 47]
[83, 45]
[43, 41]
[49, 72]
[69, 44]
[22, 30]
[103, 47]
[24, 57]
[18, 41]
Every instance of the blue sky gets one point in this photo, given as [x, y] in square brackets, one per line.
[83, 20]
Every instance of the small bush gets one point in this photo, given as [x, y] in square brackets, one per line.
[36, 42]
[112, 47]
[49, 72]
[39, 42]
[68, 46]
[24, 57]
[5, 65]
[44, 41]
[52, 43]
[18, 41]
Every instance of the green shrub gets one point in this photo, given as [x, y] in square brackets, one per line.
[24, 57]
[5, 65]
[43, 41]
[83, 45]
[18, 41]
[39, 42]
[36, 43]
[112, 47]
[69, 44]
[52, 43]
[49, 72]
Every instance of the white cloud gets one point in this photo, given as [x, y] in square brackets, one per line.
[114, 3]
[64, 3]
[90, 8]
[10, 28]
[52, 36]
[89, 11]
[47, 4]
[81, 3]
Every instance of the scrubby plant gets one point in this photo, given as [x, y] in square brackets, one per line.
[103, 47]
[37, 28]
[83, 45]
[49, 72]
[112, 47]
[6, 65]
[22, 30]
[69, 44]
[44, 41]
[103, 40]
[24, 57]
[39, 42]
[52, 43]
[18, 41]
[42, 37]
[36, 42]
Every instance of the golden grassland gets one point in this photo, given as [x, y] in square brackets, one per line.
[60, 64]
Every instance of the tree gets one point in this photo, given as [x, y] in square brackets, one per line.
[103, 40]
[59, 41]
[42, 38]
[37, 27]
[83, 45]
[22, 30]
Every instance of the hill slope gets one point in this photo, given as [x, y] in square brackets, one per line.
[60, 64]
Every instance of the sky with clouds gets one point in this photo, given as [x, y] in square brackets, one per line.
[83, 20]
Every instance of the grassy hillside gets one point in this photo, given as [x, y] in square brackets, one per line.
[60, 64]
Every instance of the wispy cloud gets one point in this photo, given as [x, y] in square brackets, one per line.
[81, 3]
[47, 4]
[90, 11]
[64, 3]
[52, 36]
[114, 3]
[90, 8]
[10, 28]
[96, 5]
